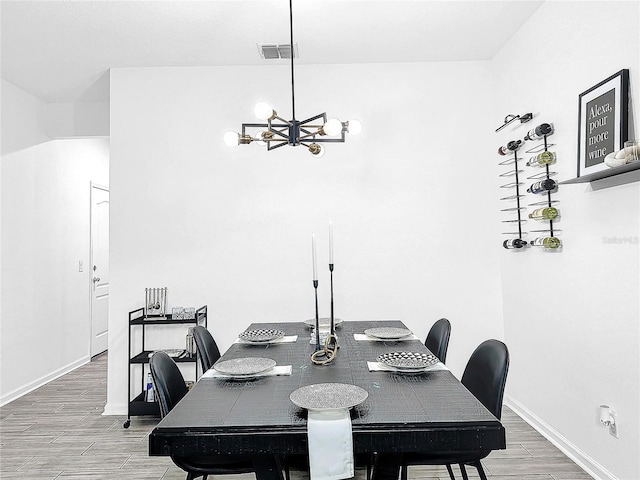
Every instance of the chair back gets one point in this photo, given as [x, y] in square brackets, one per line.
[438, 339]
[207, 347]
[168, 381]
[486, 374]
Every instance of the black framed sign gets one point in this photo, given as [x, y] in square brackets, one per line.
[602, 122]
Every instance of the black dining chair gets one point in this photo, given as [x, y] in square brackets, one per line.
[438, 339]
[485, 376]
[207, 348]
[170, 389]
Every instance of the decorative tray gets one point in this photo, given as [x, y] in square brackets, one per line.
[171, 353]
[324, 322]
[244, 367]
[387, 333]
[328, 396]
[261, 335]
[408, 361]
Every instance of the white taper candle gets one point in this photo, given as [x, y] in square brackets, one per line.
[313, 253]
[331, 243]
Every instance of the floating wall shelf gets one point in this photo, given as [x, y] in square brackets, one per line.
[610, 172]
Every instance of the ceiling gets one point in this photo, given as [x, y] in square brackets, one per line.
[61, 51]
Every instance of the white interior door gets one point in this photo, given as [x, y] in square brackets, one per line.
[99, 269]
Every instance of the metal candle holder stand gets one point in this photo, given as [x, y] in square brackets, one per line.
[333, 335]
[315, 287]
[325, 354]
[155, 302]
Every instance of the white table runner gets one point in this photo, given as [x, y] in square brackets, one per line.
[330, 441]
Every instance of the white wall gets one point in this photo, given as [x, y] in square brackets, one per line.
[45, 232]
[23, 123]
[572, 318]
[79, 119]
[231, 228]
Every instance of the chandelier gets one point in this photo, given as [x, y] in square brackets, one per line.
[278, 132]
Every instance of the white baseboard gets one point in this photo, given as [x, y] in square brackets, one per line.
[115, 409]
[581, 459]
[31, 386]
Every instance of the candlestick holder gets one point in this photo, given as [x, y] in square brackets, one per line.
[323, 356]
[315, 287]
[333, 320]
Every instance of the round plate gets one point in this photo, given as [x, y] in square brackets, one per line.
[387, 333]
[324, 322]
[408, 360]
[244, 366]
[261, 335]
[328, 396]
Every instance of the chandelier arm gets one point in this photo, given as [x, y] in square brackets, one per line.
[281, 133]
[330, 140]
[309, 134]
[282, 120]
[293, 95]
[281, 144]
[323, 116]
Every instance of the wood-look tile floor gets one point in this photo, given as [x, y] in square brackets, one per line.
[58, 432]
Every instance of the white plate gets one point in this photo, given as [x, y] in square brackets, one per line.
[328, 396]
[244, 366]
[408, 361]
[387, 333]
[324, 322]
[261, 335]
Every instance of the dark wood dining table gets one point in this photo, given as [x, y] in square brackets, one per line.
[431, 411]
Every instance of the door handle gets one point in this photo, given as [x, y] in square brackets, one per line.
[96, 279]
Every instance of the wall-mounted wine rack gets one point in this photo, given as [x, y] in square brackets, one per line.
[542, 184]
[513, 187]
[545, 208]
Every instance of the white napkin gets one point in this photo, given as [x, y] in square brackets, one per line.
[330, 444]
[362, 336]
[285, 339]
[381, 367]
[277, 370]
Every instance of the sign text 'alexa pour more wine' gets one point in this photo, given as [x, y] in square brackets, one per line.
[600, 128]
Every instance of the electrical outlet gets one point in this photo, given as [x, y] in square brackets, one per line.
[613, 426]
[80, 266]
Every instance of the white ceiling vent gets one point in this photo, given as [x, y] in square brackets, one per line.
[271, 51]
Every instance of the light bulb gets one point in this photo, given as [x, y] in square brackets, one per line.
[231, 139]
[259, 138]
[263, 111]
[332, 127]
[355, 127]
[316, 150]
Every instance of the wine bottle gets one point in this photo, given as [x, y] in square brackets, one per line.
[512, 146]
[514, 243]
[539, 132]
[546, 213]
[150, 393]
[543, 186]
[542, 159]
[547, 242]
